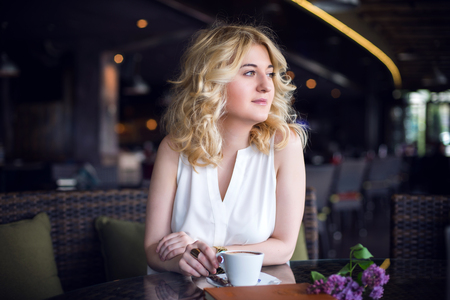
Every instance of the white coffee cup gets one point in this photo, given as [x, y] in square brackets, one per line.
[242, 267]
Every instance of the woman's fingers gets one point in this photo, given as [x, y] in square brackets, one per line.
[172, 245]
[191, 267]
[197, 259]
[208, 255]
[172, 250]
[166, 240]
[201, 258]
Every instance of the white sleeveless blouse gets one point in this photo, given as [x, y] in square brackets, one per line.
[247, 213]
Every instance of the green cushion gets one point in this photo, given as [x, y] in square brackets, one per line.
[300, 252]
[27, 265]
[122, 245]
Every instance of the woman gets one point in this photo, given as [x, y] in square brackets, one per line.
[230, 174]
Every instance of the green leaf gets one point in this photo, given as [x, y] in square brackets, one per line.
[365, 264]
[357, 247]
[359, 279]
[317, 276]
[357, 261]
[344, 270]
[362, 253]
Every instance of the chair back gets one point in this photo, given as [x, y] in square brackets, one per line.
[72, 215]
[310, 224]
[383, 176]
[321, 179]
[351, 174]
[418, 225]
[384, 168]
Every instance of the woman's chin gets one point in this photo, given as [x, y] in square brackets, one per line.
[262, 118]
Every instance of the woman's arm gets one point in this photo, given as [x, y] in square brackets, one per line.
[290, 193]
[161, 196]
[159, 240]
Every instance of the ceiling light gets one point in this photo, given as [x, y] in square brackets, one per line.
[291, 74]
[311, 83]
[138, 87]
[151, 124]
[386, 60]
[142, 23]
[118, 58]
[335, 93]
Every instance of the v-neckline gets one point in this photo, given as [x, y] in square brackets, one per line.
[236, 176]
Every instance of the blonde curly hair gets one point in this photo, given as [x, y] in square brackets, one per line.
[199, 94]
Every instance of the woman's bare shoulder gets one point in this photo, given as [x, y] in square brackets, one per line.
[167, 150]
[292, 152]
[294, 139]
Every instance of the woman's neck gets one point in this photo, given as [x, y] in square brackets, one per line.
[235, 136]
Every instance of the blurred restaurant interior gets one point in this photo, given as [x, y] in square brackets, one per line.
[84, 85]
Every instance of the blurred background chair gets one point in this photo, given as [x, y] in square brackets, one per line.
[72, 214]
[310, 224]
[347, 198]
[320, 177]
[307, 246]
[418, 225]
[383, 180]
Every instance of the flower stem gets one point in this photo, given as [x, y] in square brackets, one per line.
[351, 267]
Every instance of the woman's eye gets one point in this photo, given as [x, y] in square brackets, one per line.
[250, 73]
[271, 75]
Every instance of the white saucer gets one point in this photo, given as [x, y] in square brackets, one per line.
[264, 279]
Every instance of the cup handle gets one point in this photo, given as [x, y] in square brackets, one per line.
[222, 260]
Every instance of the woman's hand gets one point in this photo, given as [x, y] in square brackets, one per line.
[172, 245]
[206, 262]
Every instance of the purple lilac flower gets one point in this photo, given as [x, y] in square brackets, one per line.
[342, 288]
[351, 291]
[317, 287]
[376, 293]
[335, 283]
[374, 276]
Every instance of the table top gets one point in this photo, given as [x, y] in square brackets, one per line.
[409, 279]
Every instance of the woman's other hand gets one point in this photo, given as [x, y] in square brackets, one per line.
[206, 262]
[172, 245]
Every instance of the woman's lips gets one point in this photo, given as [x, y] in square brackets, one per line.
[260, 101]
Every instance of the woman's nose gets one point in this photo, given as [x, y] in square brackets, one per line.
[265, 84]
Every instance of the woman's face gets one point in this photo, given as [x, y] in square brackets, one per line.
[250, 94]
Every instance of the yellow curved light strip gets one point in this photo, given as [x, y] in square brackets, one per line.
[356, 37]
